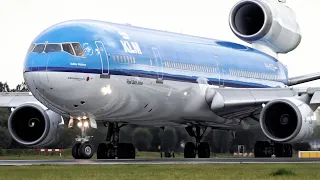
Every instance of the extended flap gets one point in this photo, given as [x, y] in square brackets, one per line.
[315, 98]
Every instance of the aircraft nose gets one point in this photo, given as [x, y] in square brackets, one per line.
[36, 66]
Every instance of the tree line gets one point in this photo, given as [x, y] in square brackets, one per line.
[144, 138]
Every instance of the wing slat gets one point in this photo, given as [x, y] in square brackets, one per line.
[230, 98]
[14, 99]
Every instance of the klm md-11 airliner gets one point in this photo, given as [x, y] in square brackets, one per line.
[102, 73]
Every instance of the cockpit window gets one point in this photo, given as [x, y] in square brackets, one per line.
[78, 50]
[39, 48]
[31, 48]
[53, 48]
[74, 49]
[67, 48]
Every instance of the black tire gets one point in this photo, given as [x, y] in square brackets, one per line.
[280, 150]
[86, 150]
[258, 149]
[288, 150]
[126, 151]
[110, 152]
[131, 151]
[101, 151]
[75, 151]
[204, 150]
[190, 150]
[122, 151]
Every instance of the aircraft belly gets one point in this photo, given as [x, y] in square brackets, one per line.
[130, 99]
[144, 100]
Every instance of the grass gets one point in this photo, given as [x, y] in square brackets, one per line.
[132, 172]
[283, 172]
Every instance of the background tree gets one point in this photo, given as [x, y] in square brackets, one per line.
[168, 138]
[5, 138]
[142, 138]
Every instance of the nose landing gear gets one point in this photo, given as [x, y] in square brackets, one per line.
[83, 149]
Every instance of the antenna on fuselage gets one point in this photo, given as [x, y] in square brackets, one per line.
[282, 1]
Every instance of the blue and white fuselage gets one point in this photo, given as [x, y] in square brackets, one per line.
[117, 72]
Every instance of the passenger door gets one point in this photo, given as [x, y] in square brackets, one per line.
[103, 57]
[157, 61]
[221, 72]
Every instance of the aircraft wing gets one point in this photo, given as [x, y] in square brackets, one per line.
[14, 99]
[247, 102]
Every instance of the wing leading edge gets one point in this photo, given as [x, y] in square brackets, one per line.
[242, 102]
[14, 99]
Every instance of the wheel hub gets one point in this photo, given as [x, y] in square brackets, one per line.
[88, 150]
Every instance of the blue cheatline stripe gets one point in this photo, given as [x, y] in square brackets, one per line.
[147, 74]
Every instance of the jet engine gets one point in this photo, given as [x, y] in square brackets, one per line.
[32, 124]
[265, 23]
[287, 120]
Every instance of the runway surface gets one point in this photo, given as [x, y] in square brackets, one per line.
[157, 161]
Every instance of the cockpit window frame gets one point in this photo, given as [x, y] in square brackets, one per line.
[62, 50]
[70, 47]
[31, 47]
[45, 49]
[81, 49]
[36, 45]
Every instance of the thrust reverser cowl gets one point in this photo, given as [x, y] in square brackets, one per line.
[269, 25]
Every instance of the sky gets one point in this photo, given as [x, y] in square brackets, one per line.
[22, 20]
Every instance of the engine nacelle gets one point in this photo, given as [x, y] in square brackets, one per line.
[287, 120]
[268, 25]
[32, 124]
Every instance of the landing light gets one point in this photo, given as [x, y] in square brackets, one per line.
[79, 124]
[106, 90]
[185, 93]
[84, 117]
[79, 118]
[86, 124]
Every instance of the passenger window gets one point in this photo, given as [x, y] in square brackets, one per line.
[39, 48]
[53, 48]
[114, 58]
[67, 48]
[77, 49]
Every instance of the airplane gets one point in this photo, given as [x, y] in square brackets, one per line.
[100, 73]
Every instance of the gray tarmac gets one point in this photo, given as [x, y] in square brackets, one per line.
[158, 161]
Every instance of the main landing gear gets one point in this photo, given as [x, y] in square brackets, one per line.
[115, 149]
[267, 149]
[201, 148]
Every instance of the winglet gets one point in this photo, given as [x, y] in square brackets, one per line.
[303, 79]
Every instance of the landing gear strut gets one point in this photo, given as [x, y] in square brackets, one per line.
[83, 149]
[113, 148]
[267, 149]
[200, 148]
